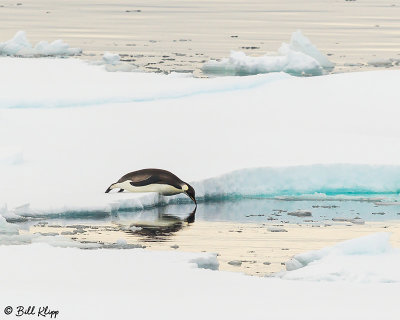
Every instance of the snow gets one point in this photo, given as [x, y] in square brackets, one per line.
[230, 136]
[113, 63]
[367, 259]
[111, 58]
[38, 83]
[300, 57]
[112, 283]
[69, 129]
[300, 43]
[20, 46]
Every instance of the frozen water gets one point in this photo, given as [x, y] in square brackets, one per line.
[20, 46]
[278, 136]
[317, 181]
[111, 58]
[300, 58]
[69, 279]
[367, 259]
[240, 64]
[301, 43]
[44, 83]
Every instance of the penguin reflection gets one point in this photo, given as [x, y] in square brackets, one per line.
[159, 230]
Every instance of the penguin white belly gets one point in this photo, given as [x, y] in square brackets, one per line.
[163, 189]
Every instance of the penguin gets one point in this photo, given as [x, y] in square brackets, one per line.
[153, 180]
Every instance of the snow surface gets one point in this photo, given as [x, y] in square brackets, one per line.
[116, 284]
[20, 46]
[111, 58]
[367, 259]
[300, 57]
[70, 129]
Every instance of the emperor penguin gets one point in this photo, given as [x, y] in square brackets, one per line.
[153, 180]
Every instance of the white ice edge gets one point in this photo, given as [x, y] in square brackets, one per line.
[367, 259]
[81, 283]
[21, 47]
[300, 57]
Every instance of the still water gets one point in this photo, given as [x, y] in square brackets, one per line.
[254, 236]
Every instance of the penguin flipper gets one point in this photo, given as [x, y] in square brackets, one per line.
[121, 190]
[145, 182]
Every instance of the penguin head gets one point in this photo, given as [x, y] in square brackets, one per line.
[188, 189]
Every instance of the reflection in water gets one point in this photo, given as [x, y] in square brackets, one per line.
[160, 229]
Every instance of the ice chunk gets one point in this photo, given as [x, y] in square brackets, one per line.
[301, 43]
[300, 57]
[206, 261]
[7, 228]
[111, 58]
[240, 64]
[20, 46]
[366, 259]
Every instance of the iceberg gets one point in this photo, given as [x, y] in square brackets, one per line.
[21, 47]
[300, 58]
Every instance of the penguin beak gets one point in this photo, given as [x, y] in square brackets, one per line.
[193, 199]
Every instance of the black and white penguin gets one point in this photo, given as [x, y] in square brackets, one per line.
[153, 180]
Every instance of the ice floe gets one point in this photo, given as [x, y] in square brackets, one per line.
[207, 131]
[367, 259]
[300, 58]
[110, 284]
[21, 47]
[113, 63]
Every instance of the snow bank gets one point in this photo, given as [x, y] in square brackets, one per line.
[207, 131]
[366, 259]
[300, 58]
[20, 46]
[329, 180]
[71, 82]
[116, 284]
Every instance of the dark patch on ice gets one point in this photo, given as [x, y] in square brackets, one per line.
[274, 229]
[50, 234]
[68, 233]
[300, 213]
[236, 263]
[325, 207]
[123, 246]
[255, 215]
